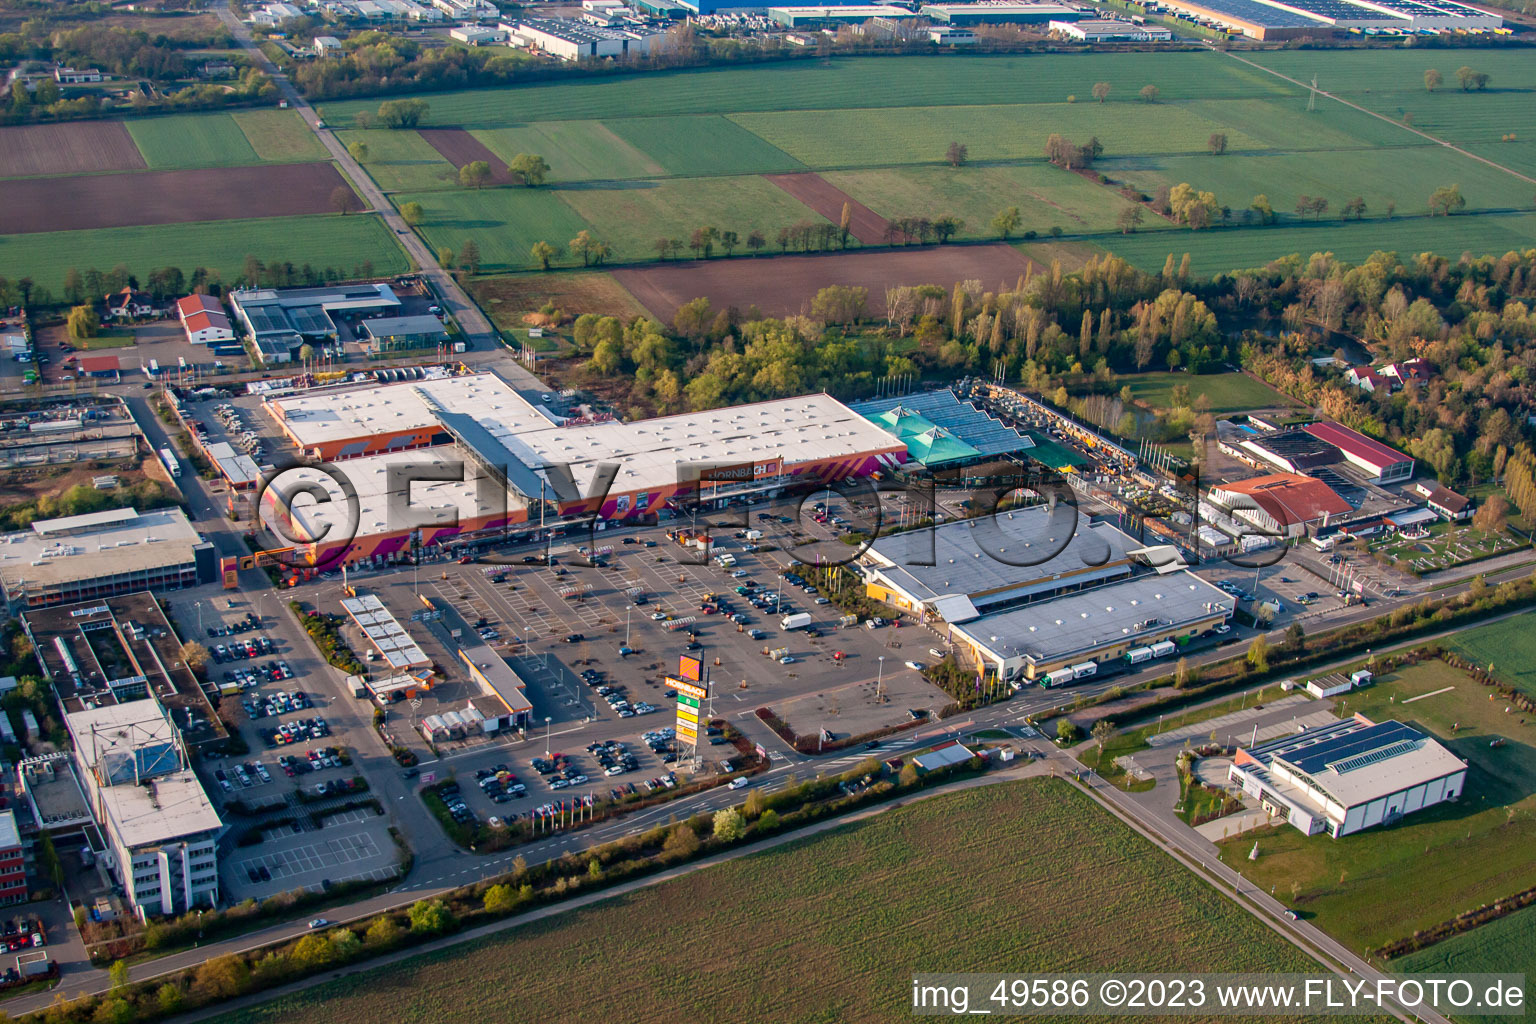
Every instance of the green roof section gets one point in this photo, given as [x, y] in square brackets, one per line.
[1052, 455]
[927, 442]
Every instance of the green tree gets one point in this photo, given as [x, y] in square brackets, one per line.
[312, 951]
[947, 226]
[1101, 91]
[358, 151]
[754, 805]
[681, 843]
[114, 1011]
[411, 213]
[500, 899]
[1471, 79]
[768, 820]
[475, 174]
[195, 655]
[529, 168]
[844, 224]
[117, 975]
[1354, 209]
[345, 943]
[168, 998]
[1295, 636]
[401, 114]
[729, 825]
[582, 245]
[1217, 143]
[1446, 200]
[430, 916]
[1258, 654]
[1102, 730]
[543, 253]
[83, 323]
[1130, 219]
[383, 932]
[956, 154]
[1432, 79]
[1066, 732]
[1260, 206]
[1150, 93]
[908, 775]
[1007, 222]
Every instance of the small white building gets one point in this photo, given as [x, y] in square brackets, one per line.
[1350, 775]
[327, 46]
[473, 35]
[468, 10]
[77, 76]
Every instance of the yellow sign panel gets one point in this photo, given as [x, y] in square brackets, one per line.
[687, 715]
[691, 689]
[686, 734]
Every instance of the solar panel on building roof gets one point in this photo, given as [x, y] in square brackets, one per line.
[1254, 13]
[310, 320]
[1346, 750]
[1339, 10]
[944, 409]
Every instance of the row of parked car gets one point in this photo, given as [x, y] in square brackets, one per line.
[241, 650]
[250, 773]
[453, 800]
[244, 625]
[300, 730]
[273, 704]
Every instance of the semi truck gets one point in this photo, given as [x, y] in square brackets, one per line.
[799, 620]
[1060, 677]
[1084, 669]
[1164, 648]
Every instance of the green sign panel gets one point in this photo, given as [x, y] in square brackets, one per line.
[687, 701]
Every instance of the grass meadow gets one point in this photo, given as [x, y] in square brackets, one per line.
[402, 160]
[703, 145]
[1507, 945]
[192, 140]
[1046, 196]
[1012, 877]
[319, 240]
[503, 222]
[1385, 883]
[583, 150]
[1227, 392]
[279, 136]
[1507, 648]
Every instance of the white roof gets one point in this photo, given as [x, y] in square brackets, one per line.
[10, 835]
[384, 631]
[172, 807]
[101, 544]
[428, 505]
[794, 430]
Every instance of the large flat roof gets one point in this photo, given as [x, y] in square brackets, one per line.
[170, 807]
[392, 495]
[1086, 621]
[102, 544]
[1002, 558]
[1354, 443]
[648, 452]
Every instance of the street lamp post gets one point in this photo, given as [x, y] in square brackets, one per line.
[880, 678]
[547, 720]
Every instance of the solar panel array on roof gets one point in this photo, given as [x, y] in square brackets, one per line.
[1299, 448]
[266, 319]
[1256, 13]
[386, 634]
[1339, 10]
[1341, 485]
[962, 419]
[1347, 751]
[310, 320]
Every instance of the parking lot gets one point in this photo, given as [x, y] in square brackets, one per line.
[348, 846]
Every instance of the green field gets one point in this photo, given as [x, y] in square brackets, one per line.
[632, 218]
[1507, 648]
[908, 135]
[402, 160]
[1385, 883]
[319, 240]
[1046, 196]
[1012, 877]
[1227, 392]
[576, 150]
[1507, 945]
[503, 222]
[1235, 249]
[279, 136]
[192, 140]
[880, 127]
[703, 145]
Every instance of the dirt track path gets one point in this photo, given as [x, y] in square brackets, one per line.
[1383, 117]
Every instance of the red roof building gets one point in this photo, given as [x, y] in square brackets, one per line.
[100, 366]
[204, 320]
[1281, 504]
[1384, 464]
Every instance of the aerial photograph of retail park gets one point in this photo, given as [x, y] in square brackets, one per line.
[659, 510]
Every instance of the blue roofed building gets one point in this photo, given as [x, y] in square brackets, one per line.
[1349, 775]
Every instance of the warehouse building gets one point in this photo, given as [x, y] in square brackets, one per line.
[1382, 464]
[278, 321]
[381, 505]
[160, 828]
[539, 456]
[1001, 12]
[1252, 18]
[574, 40]
[1154, 613]
[117, 551]
[204, 320]
[1111, 30]
[812, 17]
[1294, 451]
[1281, 504]
[962, 570]
[384, 335]
[1348, 776]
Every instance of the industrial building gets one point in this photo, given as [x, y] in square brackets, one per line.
[1002, 12]
[1281, 504]
[1382, 464]
[542, 456]
[574, 40]
[962, 570]
[385, 335]
[117, 551]
[1111, 30]
[1348, 776]
[941, 430]
[159, 826]
[812, 17]
[1155, 613]
[1294, 19]
[278, 321]
[396, 499]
